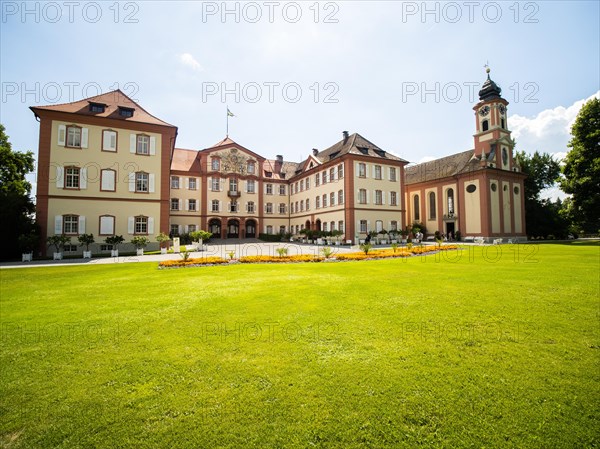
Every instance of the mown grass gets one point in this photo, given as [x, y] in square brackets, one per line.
[457, 350]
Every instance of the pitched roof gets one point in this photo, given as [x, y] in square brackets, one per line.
[185, 160]
[112, 101]
[355, 144]
[226, 141]
[279, 169]
[442, 168]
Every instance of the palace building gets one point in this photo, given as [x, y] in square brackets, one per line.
[106, 166]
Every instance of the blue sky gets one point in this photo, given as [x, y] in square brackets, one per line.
[402, 74]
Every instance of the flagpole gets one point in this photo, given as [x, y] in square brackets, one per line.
[227, 129]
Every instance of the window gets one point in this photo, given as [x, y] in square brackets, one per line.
[174, 229]
[250, 186]
[251, 207]
[393, 199]
[70, 224]
[393, 174]
[282, 189]
[324, 177]
[363, 226]
[341, 225]
[215, 184]
[106, 247]
[332, 174]
[233, 184]
[282, 229]
[332, 199]
[340, 171]
[485, 125]
[362, 196]
[282, 208]
[292, 209]
[393, 225]
[97, 108]
[269, 189]
[317, 202]
[432, 213]
[307, 204]
[107, 225]
[141, 225]
[125, 112]
[70, 248]
[379, 226]
[174, 204]
[269, 229]
[378, 197]
[250, 168]
[191, 228]
[325, 226]
[109, 140]
[302, 206]
[340, 197]
[174, 182]
[192, 183]
[332, 226]
[502, 123]
[192, 205]
[317, 179]
[215, 163]
[269, 174]
[324, 200]
[269, 208]
[450, 195]
[141, 182]
[307, 183]
[378, 172]
[417, 214]
[214, 206]
[72, 178]
[107, 180]
[233, 207]
[362, 170]
[143, 145]
[74, 136]
[302, 185]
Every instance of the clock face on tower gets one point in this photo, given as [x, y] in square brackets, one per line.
[502, 109]
[484, 111]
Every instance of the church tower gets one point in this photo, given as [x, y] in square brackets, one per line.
[493, 144]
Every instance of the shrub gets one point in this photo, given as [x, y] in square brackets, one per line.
[282, 251]
[140, 241]
[86, 240]
[192, 262]
[327, 252]
[366, 247]
[162, 238]
[270, 237]
[277, 259]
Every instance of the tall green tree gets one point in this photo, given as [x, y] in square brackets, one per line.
[542, 216]
[582, 167]
[16, 205]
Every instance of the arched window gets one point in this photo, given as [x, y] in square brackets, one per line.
[485, 125]
[450, 199]
[416, 214]
[503, 126]
[432, 214]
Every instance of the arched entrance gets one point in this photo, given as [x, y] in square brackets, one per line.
[318, 225]
[307, 224]
[233, 229]
[250, 229]
[214, 227]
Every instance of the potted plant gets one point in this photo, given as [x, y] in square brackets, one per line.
[383, 240]
[86, 240]
[404, 233]
[115, 241]
[59, 242]
[140, 242]
[27, 243]
[337, 235]
[163, 240]
[200, 236]
[373, 235]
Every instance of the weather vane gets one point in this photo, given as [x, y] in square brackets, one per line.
[487, 66]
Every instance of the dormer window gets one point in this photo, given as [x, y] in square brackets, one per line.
[380, 153]
[125, 112]
[97, 108]
[269, 174]
[363, 150]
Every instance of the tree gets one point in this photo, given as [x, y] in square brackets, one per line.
[16, 213]
[542, 217]
[582, 167]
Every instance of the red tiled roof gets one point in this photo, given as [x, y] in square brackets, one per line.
[185, 160]
[113, 100]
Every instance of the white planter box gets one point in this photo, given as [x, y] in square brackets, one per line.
[163, 250]
[403, 240]
[26, 257]
[319, 241]
[361, 241]
[87, 254]
[114, 253]
[57, 256]
[394, 241]
[140, 251]
[384, 242]
[337, 243]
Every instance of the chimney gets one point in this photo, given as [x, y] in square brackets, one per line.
[315, 151]
[345, 134]
[279, 158]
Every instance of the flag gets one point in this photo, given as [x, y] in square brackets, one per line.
[229, 113]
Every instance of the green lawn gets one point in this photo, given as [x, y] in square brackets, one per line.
[470, 349]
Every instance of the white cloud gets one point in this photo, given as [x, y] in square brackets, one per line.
[549, 131]
[188, 60]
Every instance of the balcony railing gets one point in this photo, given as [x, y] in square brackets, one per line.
[452, 216]
[233, 193]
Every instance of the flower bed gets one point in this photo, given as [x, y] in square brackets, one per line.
[283, 259]
[192, 262]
